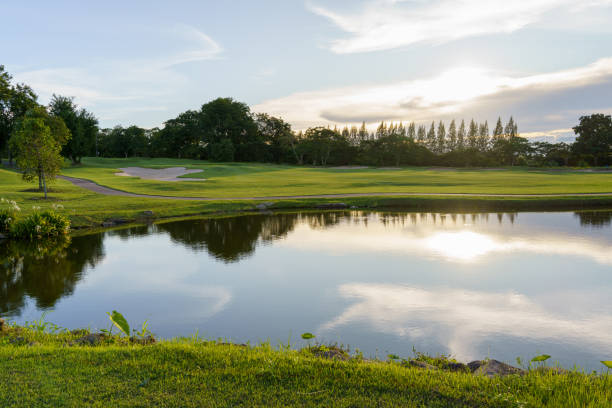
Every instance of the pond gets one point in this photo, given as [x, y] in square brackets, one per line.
[470, 285]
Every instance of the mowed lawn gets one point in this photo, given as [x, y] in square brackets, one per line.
[260, 180]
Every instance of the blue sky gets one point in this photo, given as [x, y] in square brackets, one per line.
[319, 62]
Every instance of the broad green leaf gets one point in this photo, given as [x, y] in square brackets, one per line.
[308, 336]
[607, 363]
[543, 357]
[119, 321]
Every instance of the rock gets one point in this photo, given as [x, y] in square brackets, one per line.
[148, 213]
[17, 341]
[354, 207]
[89, 339]
[491, 368]
[264, 206]
[332, 206]
[107, 224]
[143, 341]
[422, 364]
[33, 344]
[451, 366]
[332, 353]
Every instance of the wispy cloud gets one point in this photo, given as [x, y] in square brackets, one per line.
[387, 24]
[456, 92]
[136, 82]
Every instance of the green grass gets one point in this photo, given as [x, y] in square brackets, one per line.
[43, 370]
[253, 179]
[87, 209]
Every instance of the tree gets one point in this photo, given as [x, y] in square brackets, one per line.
[430, 139]
[483, 136]
[472, 137]
[225, 118]
[441, 139]
[511, 129]
[452, 136]
[15, 101]
[498, 132]
[421, 134]
[38, 151]
[411, 133]
[461, 136]
[594, 141]
[277, 135]
[82, 124]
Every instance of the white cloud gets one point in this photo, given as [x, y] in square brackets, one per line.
[137, 82]
[453, 93]
[387, 24]
[463, 319]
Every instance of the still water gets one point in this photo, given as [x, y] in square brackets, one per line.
[469, 285]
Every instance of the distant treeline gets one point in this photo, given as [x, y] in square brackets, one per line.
[226, 130]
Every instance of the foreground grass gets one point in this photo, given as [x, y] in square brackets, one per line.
[44, 370]
[261, 180]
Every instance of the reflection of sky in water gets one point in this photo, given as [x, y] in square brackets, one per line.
[470, 286]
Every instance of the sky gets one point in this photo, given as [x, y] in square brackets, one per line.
[319, 63]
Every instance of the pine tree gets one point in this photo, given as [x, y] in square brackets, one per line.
[411, 131]
[461, 136]
[401, 130]
[430, 141]
[345, 132]
[421, 134]
[452, 136]
[441, 140]
[473, 135]
[381, 131]
[483, 136]
[498, 132]
[363, 132]
[511, 129]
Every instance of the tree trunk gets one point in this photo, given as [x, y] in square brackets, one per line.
[40, 186]
[44, 183]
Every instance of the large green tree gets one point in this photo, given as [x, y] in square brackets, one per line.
[15, 101]
[225, 118]
[594, 141]
[37, 144]
[82, 124]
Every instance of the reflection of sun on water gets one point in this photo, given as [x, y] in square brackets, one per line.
[463, 245]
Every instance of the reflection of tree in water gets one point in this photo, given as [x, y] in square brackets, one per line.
[44, 271]
[235, 238]
[596, 219]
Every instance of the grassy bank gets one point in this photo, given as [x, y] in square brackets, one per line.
[87, 209]
[260, 180]
[38, 369]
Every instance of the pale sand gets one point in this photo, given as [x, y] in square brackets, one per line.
[168, 174]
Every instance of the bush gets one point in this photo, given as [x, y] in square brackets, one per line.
[39, 225]
[7, 214]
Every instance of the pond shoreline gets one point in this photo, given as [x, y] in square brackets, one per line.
[193, 372]
[370, 203]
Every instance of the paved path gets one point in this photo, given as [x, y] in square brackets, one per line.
[91, 186]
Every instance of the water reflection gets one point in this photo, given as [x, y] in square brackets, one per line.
[462, 320]
[515, 284]
[44, 271]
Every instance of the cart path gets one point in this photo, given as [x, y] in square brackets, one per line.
[96, 188]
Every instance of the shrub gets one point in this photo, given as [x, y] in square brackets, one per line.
[7, 214]
[40, 225]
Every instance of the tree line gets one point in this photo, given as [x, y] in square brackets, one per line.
[226, 130]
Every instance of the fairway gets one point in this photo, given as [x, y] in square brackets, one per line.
[224, 180]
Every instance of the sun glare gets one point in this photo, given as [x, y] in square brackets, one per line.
[462, 246]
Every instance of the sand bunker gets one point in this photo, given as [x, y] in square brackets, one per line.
[168, 174]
